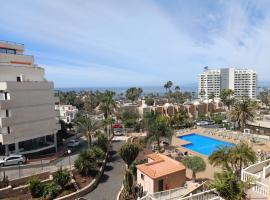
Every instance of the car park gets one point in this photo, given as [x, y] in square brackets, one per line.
[73, 143]
[12, 160]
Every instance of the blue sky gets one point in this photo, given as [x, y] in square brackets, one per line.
[113, 43]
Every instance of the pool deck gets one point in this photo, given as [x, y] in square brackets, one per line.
[210, 170]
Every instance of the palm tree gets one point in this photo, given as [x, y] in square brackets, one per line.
[158, 128]
[226, 97]
[220, 157]
[241, 156]
[177, 88]
[195, 164]
[242, 112]
[88, 126]
[108, 107]
[129, 152]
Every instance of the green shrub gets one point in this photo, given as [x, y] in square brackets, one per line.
[102, 142]
[128, 181]
[51, 191]
[35, 187]
[86, 162]
[98, 153]
[61, 177]
[133, 167]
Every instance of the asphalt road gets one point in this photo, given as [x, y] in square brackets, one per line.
[111, 181]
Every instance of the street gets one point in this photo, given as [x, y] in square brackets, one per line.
[111, 181]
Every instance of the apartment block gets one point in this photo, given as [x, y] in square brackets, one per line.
[242, 81]
[67, 112]
[28, 120]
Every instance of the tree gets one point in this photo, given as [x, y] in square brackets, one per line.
[226, 97]
[195, 164]
[102, 142]
[129, 118]
[227, 186]
[86, 162]
[149, 101]
[88, 126]
[128, 181]
[179, 119]
[233, 158]
[133, 93]
[158, 129]
[220, 157]
[98, 153]
[212, 96]
[129, 152]
[264, 96]
[177, 88]
[61, 177]
[242, 111]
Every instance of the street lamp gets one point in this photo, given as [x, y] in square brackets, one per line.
[69, 152]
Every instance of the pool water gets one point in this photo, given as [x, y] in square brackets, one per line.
[202, 144]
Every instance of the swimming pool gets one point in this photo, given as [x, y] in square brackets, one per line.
[202, 144]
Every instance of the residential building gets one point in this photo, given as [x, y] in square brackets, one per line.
[160, 173]
[28, 118]
[242, 81]
[67, 112]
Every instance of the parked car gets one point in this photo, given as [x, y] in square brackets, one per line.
[13, 160]
[73, 143]
[118, 133]
[117, 126]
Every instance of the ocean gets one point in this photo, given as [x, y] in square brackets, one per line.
[118, 90]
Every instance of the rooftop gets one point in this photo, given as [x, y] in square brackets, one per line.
[161, 165]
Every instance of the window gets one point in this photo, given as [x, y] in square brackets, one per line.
[142, 176]
[19, 79]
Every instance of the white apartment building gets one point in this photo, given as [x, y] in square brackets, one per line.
[242, 81]
[67, 112]
[209, 82]
[28, 118]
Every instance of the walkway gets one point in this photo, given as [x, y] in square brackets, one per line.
[112, 179]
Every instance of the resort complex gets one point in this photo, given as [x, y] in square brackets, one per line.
[109, 100]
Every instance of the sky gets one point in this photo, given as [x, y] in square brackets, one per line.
[112, 43]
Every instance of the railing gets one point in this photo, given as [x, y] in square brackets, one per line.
[9, 42]
[257, 167]
[266, 171]
[261, 188]
[170, 194]
[248, 176]
[206, 195]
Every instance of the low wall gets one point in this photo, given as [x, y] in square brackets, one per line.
[87, 189]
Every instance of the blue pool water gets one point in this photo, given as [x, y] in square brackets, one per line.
[202, 144]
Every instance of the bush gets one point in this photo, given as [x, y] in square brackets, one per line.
[51, 191]
[85, 162]
[5, 182]
[133, 167]
[35, 187]
[102, 142]
[98, 153]
[61, 177]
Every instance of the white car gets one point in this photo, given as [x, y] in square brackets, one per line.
[118, 133]
[73, 143]
[13, 160]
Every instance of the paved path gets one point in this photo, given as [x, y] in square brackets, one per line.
[112, 179]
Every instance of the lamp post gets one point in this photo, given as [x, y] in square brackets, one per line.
[69, 152]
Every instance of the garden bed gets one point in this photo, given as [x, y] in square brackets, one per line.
[83, 181]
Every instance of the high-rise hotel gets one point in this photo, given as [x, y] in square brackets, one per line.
[242, 81]
[28, 120]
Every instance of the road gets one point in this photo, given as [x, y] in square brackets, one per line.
[111, 181]
[27, 170]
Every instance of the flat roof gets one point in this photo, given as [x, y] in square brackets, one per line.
[161, 165]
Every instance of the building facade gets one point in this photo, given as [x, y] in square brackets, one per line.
[28, 118]
[242, 81]
[67, 112]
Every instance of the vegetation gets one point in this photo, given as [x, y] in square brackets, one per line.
[226, 97]
[265, 97]
[88, 126]
[5, 182]
[35, 187]
[61, 177]
[195, 164]
[86, 162]
[51, 190]
[220, 157]
[180, 120]
[133, 168]
[129, 152]
[149, 101]
[133, 93]
[102, 142]
[242, 111]
[158, 128]
[129, 118]
[128, 181]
